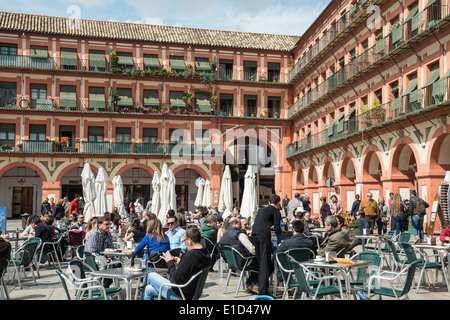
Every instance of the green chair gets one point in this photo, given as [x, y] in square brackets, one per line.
[76, 269]
[424, 263]
[200, 277]
[386, 251]
[3, 267]
[284, 265]
[23, 258]
[95, 285]
[229, 254]
[362, 273]
[51, 253]
[321, 290]
[301, 254]
[408, 270]
[395, 251]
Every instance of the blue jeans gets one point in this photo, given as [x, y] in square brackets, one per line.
[151, 291]
[399, 224]
[417, 226]
[382, 227]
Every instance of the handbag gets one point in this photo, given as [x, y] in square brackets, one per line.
[385, 219]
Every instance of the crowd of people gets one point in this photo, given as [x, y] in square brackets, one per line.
[259, 237]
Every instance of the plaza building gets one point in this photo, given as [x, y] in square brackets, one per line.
[360, 99]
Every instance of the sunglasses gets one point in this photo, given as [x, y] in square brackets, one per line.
[170, 223]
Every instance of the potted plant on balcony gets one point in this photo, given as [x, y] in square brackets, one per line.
[276, 115]
[165, 109]
[67, 149]
[6, 147]
[55, 145]
[262, 77]
[19, 145]
[275, 79]
[369, 113]
[188, 98]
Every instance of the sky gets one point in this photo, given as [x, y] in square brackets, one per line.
[288, 17]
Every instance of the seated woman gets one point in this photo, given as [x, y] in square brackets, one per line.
[445, 235]
[135, 231]
[155, 241]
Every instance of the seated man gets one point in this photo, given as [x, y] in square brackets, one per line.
[45, 233]
[353, 240]
[237, 238]
[80, 224]
[298, 240]
[175, 234]
[336, 238]
[180, 270]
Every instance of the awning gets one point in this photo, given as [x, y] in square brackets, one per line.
[202, 65]
[39, 52]
[330, 127]
[352, 110]
[151, 61]
[396, 104]
[446, 75]
[412, 13]
[69, 57]
[177, 63]
[177, 103]
[412, 85]
[340, 122]
[432, 78]
[124, 60]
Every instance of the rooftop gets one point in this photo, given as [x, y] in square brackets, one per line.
[126, 31]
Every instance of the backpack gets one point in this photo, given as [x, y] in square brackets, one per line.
[420, 208]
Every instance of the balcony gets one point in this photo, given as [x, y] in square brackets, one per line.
[7, 145]
[373, 56]
[382, 115]
[27, 62]
[154, 148]
[37, 146]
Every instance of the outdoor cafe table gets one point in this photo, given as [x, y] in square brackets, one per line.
[127, 274]
[378, 239]
[16, 241]
[444, 252]
[124, 255]
[345, 268]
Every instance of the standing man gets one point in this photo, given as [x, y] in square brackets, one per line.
[294, 203]
[370, 208]
[417, 210]
[285, 204]
[74, 205]
[266, 218]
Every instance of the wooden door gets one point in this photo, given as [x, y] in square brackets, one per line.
[27, 200]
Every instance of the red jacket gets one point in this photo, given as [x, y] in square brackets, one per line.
[444, 234]
[74, 206]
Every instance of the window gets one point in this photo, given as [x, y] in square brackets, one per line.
[97, 98]
[69, 59]
[123, 134]
[379, 95]
[177, 63]
[225, 69]
[175, 136]
[202, 65]
[202, 139]
[394, 90]
[226, 104]
[7, 133]
[176, 99]
[124, 60]
[273, 72]
[202, 103]
[8, 93]
[37, 132]
[125, 97]
[151, 99]
[150, 135]
[38, 94]
[250, 70]
[96, 134]
[97, 61]
[151, 62]
[8, 54]
[39, 58]
[68, 97]
[250, 104]
[273, 104]
[411, 19]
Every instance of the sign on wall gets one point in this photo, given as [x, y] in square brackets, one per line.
[3, 220]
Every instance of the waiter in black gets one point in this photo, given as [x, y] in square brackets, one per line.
[266, 218]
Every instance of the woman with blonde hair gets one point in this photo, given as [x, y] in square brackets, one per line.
[222, 229]
[398, 213]
[155, 240]
[91, 225]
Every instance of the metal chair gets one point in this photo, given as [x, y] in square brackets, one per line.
[201, 279]
[75, 238]
[408, 270]
[80, 252]
[424, 263]
[363, 273]
[283, 262]
[230, 258]
[3, 268]
[321, 290]
[301, 254]
[395, 251]
[22, 258]
[53, 252]
[95, 285]
[76, 269]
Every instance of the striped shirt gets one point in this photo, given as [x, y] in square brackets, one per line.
[97, 242]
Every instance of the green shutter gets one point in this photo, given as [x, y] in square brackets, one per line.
[125, 58]
[352, 110]
[176, 99]
[151, 60]
[97, 59]
[330, 128]
[38, 52]
[379, 47]
[396, 104]
[430, 2]
[68, 97]
[433, 77]
[151, 98]
[202, 64]
[340, 122]
[439, 86]
[69, 57]
[412, 13]
[415, 95]
[397, 34]
[96, 97]
[274, 66]
[177, 63]
[250, 64]
[412, 85]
